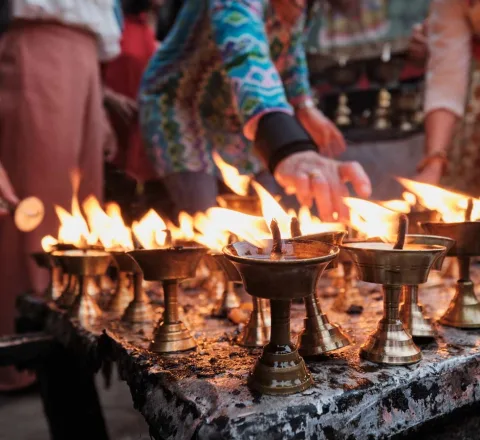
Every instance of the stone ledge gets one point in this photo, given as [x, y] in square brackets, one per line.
[203, 395]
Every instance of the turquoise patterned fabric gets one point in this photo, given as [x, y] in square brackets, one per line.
[223, 63]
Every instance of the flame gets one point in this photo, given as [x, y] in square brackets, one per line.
[233, 179]
[210, 234]
[311, 224]
[48, 243]
[401, 206]
[150, 230]
[122, 235]
[449, 204]
[73, 228]
[371, 219]
[409, 198]
[271, 209]
[246, 227]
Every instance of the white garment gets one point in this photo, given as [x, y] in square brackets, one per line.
[450, 46]
[96, 16]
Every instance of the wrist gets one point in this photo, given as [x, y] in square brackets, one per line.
[435, 161]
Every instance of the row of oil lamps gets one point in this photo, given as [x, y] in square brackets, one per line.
[282, 271]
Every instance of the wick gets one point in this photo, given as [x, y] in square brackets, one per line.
[401, 232]
[168, 238]
[468, 212]
[295, 227]
[232, 238]
[277, 240]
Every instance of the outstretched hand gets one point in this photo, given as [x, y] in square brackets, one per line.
[314, 177]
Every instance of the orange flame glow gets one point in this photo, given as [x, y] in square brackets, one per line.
[150, 230]
[449, 204]
[372, 220]
[233, 179]
[48, 243]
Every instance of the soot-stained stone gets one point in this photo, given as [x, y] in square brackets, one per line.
[203, 394]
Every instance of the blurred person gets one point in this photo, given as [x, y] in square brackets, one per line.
[232, 76]
[51, 121]
[452, 107]
[347, 48]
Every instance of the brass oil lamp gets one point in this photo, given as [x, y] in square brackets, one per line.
[83, 265]
[123, 293]
[256, 332]
[228, 298]
[138, 309]
[393, 267]
[411, 310]
[281, 271]
[170, 265]
[55, 286]
[464, 309]
[319, 334]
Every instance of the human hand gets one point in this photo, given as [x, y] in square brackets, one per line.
[6, 191]
[314, 177]
[123, 106]
[417, 46]
[323, 132]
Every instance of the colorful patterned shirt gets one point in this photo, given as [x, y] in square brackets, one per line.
[223, 65]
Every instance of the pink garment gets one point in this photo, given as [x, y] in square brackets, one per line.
[450, 45]
[51, 121]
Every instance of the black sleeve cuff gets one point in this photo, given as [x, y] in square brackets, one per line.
[280, 135]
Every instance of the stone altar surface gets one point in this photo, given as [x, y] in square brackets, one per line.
[203, 394]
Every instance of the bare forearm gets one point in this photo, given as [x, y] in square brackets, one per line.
[439, 128]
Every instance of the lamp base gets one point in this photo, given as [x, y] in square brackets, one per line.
[171, 338]
[391, 345]
[228, 301]
[415, 321]
[85, 308]
[280, 373]
[320, 336]
[464, 309]
[257, 331]
[138, 312]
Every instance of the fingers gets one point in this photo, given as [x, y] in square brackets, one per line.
[323, 197]
[354, 173]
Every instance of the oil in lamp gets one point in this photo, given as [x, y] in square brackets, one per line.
[170, 265]
[411, 311]
[55, 285]
[281, 271]
[464, 309]
[393, 267]
[319, 334]
[83, 265]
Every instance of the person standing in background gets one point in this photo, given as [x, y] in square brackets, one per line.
[348, 50]
[232, 77]
[51, 121]
[452, 106]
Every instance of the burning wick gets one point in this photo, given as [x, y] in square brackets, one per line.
[168, 238]
[468, 212]
[277, 240]
[232, 238]
[401, 232]
[295, 227]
